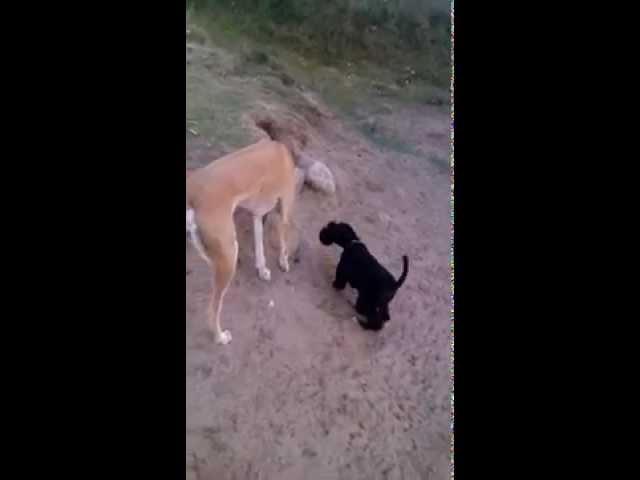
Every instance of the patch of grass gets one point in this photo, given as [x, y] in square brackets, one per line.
[375, 132]
[197, 35]
[216, 110]
[427, 94]
[258, 57]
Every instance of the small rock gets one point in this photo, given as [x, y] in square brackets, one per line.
[308, 452]
[386, 109]
[385, 219]
[286, 80]
[320, 177]
[373, 186]
[371, 124]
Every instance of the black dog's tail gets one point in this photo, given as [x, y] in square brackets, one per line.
[405, 270]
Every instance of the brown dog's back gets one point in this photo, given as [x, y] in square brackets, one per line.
[256, 173]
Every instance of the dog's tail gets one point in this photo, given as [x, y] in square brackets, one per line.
[192, 228]
[293, 138]
[405, 270]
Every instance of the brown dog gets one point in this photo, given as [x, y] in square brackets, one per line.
[254, 178]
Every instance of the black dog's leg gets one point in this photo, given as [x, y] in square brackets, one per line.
[363, 305]
[361, 309]
[341, 276]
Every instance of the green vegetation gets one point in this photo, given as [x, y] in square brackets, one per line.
[385, 32]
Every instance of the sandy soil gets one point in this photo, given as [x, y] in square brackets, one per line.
[302, 392]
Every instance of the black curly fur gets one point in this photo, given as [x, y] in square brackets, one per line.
[375, 285]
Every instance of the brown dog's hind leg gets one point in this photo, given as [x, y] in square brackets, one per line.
[225, 256]
[286, 206]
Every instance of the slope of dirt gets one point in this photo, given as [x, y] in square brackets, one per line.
[302, 392]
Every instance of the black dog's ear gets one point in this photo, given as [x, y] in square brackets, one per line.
[331, 224]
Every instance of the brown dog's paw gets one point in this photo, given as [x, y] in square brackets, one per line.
[264, 273]
[284, 264]
[224, 338]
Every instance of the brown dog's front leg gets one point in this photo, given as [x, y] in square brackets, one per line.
[261, 264]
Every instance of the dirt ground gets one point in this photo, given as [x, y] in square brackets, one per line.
[302, 392]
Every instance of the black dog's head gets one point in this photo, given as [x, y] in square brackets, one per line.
[339, 233]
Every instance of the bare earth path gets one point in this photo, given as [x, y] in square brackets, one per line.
[302, 392]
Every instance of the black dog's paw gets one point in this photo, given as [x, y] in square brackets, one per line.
[338, 285]
[372, 326]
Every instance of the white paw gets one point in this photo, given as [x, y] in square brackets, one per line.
[284, 264]
[225, 337]
[264, 273]
[358, 318]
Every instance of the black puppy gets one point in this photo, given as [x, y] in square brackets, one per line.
[375, 285]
